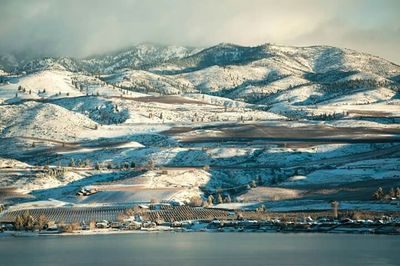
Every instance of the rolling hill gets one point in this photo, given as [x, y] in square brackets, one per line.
[196, 121]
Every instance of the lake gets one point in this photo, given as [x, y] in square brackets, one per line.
[193, 249]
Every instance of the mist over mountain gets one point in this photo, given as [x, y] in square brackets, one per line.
[281, 77]
[74, 28]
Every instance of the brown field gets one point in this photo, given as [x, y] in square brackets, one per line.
[354, 191]
[271, 193]
[7, 193]
[309, 133]
[357, 191]
[370, 113]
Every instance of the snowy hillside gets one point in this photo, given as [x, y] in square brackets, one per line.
[267, 122]
[138, 57]
[42, 121]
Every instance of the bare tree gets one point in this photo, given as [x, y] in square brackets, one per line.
[41, 222]
[219, 199]
[150, 165]
[210, 200]
[397, 192]
[335, 206]
[196, 201]
[92, 225]
[28, 221]
[19, 222]
[228, 199]
[378, 194]
[392, 193]
[154, 200]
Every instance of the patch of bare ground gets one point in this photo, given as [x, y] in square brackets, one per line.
[299, 145]
[369, 113]
[357, 191]
[271, 193]
[7, 193]
[318, 133]
[177, 130]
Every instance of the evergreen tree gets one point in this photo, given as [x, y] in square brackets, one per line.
[219, 199]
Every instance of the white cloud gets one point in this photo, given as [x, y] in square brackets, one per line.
[80, 28]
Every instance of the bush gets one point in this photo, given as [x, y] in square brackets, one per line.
[195, 201]
[69, 228]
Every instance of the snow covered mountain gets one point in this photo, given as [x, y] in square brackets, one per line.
[141, 56]
[136, 57]
[285, 79]
[214, 118]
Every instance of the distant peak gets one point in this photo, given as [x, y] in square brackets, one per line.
[226, 45]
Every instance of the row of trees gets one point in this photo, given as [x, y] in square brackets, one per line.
[22, 89]
[79, 163]
[380, 194]
[27, 222]
[326, 117]
[56, 173]
[149, 165]
[197, 201]
[345, 85]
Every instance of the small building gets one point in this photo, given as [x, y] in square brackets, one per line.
[103, 224]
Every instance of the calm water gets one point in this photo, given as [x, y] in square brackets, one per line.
[220, 249]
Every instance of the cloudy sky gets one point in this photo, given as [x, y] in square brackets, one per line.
[80, 28]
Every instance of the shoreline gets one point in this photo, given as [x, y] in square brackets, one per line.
[18, 234]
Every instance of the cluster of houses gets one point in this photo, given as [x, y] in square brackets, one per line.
[228, 221]
[385, 225]
[86, 191]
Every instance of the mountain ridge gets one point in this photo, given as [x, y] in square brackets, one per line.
[146, 55]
